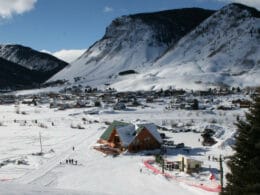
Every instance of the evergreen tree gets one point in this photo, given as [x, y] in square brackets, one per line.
[244, 165]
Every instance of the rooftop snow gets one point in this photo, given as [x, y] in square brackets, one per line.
[126, 134]
[153, 130]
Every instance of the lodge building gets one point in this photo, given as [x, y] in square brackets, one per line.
[134, 138]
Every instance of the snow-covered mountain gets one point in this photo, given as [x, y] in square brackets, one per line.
[31, 59]
[22, 67]
[166, 49]
[224, 49]
[132, 43]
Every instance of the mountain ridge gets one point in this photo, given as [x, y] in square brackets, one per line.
[225, 46]
[222, 49]
[130, 35]
[36, 66]
[31, 59]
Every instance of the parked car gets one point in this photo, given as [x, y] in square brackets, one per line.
[180, 145]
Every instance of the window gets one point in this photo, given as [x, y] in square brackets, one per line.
[147, 139]
[116, 139]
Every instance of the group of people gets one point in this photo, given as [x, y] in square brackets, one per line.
[213, 158]
[71, 161]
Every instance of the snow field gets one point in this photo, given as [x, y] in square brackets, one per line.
[96, 173]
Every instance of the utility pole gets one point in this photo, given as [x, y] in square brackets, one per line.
[40, 137]
[221, 171]
[162, 165]
[161, 158]
[182, 164]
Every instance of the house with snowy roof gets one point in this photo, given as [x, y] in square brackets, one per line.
[134, 138]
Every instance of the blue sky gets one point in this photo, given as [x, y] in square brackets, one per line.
[54, 25]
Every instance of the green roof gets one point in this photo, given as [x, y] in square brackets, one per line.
[108, 131]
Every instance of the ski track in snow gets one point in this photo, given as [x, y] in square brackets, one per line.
[48, 166]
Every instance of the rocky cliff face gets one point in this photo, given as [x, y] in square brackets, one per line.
[167, 49]
[132, 43]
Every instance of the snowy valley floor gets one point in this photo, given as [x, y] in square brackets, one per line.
[24, 173]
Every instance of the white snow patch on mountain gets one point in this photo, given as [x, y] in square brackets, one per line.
[253, 3]
[121, 51]
[224, 49]
[67, 55]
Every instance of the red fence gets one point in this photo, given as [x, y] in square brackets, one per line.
[148, 164]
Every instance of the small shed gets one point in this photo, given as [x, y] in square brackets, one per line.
[189, 165]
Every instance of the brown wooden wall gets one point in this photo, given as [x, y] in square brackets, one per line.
[111, 141]
[144, 141]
